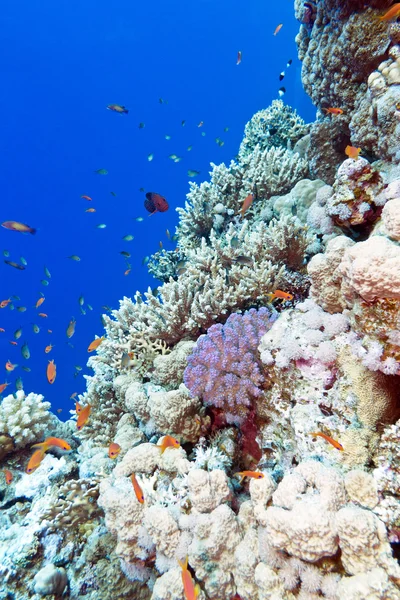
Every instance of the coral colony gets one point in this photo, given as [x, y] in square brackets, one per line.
[271, 349]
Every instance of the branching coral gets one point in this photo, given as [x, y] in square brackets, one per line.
[224, 369]
[23, 420]
[278, 125]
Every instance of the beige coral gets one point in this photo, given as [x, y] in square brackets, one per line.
[207, 490]
[361, 488]
[325, 274]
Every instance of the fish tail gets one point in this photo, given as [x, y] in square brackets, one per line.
[197, 590]
[41, 445]
[183, 565]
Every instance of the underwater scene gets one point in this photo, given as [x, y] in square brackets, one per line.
[200, 300]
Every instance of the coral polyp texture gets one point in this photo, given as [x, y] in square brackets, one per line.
[225, 370]
[254, 396]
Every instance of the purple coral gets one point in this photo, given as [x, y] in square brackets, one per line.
[225, 369]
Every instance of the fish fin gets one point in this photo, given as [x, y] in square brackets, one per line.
[183, 565]
[197, 590]
[42, 445]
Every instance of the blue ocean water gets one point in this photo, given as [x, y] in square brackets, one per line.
[63, 63]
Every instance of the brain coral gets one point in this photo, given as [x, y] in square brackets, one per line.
[224, 369]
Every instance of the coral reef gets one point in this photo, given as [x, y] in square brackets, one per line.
[271, 344]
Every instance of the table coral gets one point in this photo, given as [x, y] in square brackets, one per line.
[224, 369]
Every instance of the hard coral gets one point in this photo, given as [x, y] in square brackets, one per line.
[224, 369]
[278, 125]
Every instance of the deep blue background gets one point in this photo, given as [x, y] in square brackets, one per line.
[62, 63]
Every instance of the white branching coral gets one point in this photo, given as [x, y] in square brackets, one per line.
[272, 171]
[24, 418]
[278, 125]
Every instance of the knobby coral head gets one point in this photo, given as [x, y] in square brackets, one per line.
[224, 369]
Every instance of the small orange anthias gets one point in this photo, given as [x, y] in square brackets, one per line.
[52, 441]
[8, 475]
[113, 450]
[251, 474]
[352, 152]
[137, 489]
[191, 590]
[83, 413]
[51, 371]
[281, 295]
[168, 442]
[35, 461]
[328, 439]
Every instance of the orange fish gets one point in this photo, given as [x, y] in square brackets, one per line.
[83, 416]
[281, 295]
[8, 476]
[90, 210]
[10, 366]
[95, 344]
[43, 315]
[392, 13]
[191, 590]
[333, 111]
[49, 331]
[86, 197]
[334, 443]
[352, 152]
[35, 461]
[51, 371]
[3, 387]
[113, 450]
[252, 474]
[13, 343]
[248, 201]
[168, 442]
[4, 303]
[239, 57]
[127, 272]
[78, 407]
[52, 441]
[48, 348]
[137, 488]
[59, 410]
[279, 27]
[40, 302]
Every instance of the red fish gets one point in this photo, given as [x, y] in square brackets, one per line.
[155, 203]
[138, 490]
[248, 201]
[279, 27]
[328, 439]
[333, 111]
[168, 442]
[86, 198]
[3, 387]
